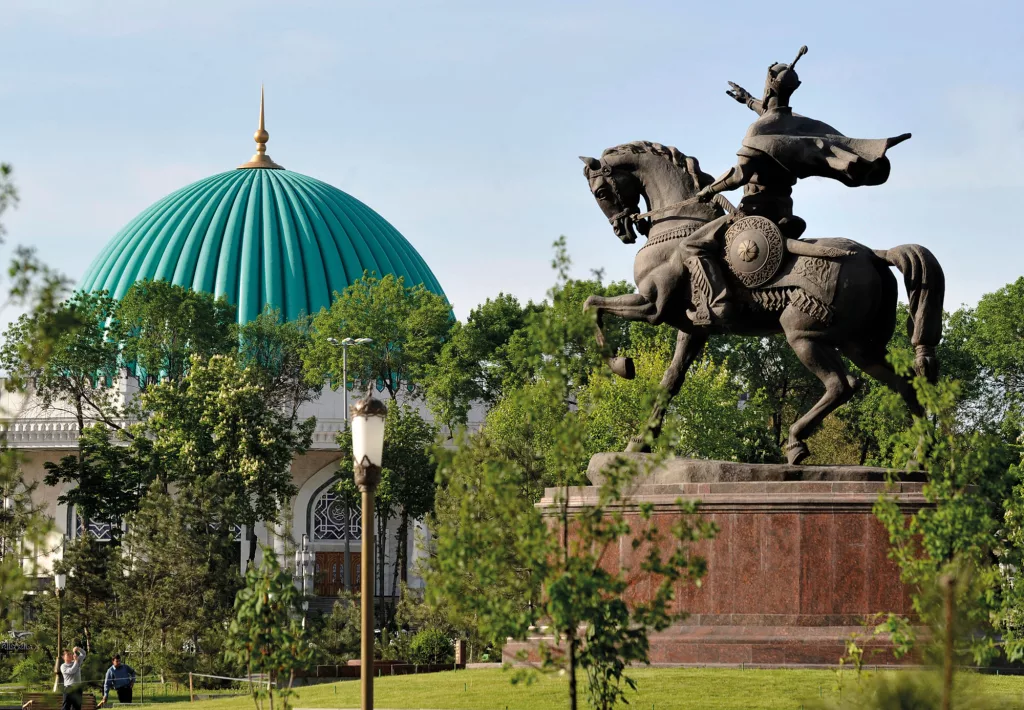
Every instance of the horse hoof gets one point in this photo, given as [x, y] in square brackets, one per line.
[623, 367]
[637, 445]
[796, 453]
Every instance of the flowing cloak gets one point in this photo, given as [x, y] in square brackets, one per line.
[806, 147]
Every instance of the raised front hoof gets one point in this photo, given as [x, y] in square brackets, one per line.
[796, 453]
[637, 445]
[623, 367]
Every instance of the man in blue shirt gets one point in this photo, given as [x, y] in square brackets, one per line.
[121, 678]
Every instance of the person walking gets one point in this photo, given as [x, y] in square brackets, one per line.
[71, 672]
[121, 678]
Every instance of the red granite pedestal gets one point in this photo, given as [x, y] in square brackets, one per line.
[797, 567]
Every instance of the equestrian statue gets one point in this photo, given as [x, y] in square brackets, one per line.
[710, 268]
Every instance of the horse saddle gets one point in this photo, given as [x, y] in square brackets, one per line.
[755, 248]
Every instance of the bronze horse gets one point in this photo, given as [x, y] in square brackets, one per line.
[858, 321]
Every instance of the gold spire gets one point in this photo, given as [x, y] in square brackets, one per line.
[261, 159]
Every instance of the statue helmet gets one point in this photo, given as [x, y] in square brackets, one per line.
[782, 79]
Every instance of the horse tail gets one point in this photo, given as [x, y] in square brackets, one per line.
[926, 287]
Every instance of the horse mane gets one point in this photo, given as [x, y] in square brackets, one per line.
[671, 153]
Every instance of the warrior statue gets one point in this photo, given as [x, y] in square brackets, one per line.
[708, 268]
[779, 148]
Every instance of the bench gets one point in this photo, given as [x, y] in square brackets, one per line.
[52, 701]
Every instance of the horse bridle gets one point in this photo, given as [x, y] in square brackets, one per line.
[606, 172]
[718, 199]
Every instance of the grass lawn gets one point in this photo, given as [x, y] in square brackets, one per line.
[659, 688]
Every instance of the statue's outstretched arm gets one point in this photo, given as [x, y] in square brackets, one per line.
[738, 176]
[744, 97]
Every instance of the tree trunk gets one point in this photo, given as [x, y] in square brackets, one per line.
[777, 424]
[346, 577]
[864, 451]
[400, 538]
[381, 550]
[947, 669]
[571, 637]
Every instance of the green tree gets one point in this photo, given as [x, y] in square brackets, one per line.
[274, 347]
[499, 561]
[770, 367]
[996, 339]
[265, 636]
[214, 434]
[475, 360]
[336, 639]
[23, 536]
[408, 326]
[960, 535]
[23, 530]
[88, 602]
[108, 476]
[407, 486]
[77, 375]
[161, 326]
[174, 581]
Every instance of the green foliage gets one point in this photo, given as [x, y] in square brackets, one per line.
[959, 534]
[498, 560]
[909, 690]
[32, 670]
[88, 602]
[704, 419]
[8, 193]
[769, 366]
[407, 485]
[998, 340]
[431, 646]
[174, 581]
[408, 326]
[475, 360]
[161, 326]
[336, 638]
[76, 373]
[265, 637]
[24, 532]
[214, 433]
[108, 478]
[273, 348]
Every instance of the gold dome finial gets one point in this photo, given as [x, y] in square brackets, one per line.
[261, 159]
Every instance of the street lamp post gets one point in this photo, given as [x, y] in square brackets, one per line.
[346, 573]
[7, 520]
[59, 580]
[367, 451]
[303, 569]
[345, 344]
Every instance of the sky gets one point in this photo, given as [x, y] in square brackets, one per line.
[461, 122]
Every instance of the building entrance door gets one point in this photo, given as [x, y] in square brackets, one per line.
[329, 575]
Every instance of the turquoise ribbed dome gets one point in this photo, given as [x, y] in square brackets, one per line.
[258, 237]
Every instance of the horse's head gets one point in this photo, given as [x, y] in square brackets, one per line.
[666, 179]
[617, 191]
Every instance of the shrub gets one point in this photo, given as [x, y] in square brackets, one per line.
[431, 646]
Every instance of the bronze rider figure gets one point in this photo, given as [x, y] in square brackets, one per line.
[779, 148]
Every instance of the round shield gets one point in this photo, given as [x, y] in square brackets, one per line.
[753, 250]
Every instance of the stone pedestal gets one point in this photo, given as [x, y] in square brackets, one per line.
[799, 564]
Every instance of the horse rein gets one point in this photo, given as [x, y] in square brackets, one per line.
[718, 199]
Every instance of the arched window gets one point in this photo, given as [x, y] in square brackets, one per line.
[101, 531]
[329, 519]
